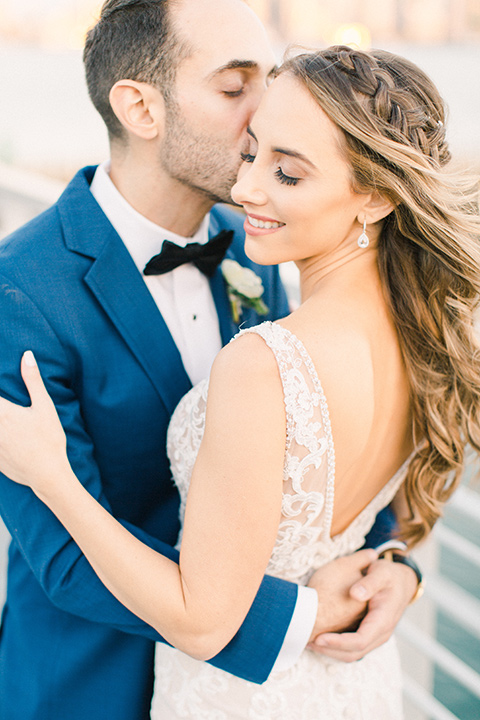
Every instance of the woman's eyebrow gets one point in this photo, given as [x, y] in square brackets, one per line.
[293, 153]
[284, 151]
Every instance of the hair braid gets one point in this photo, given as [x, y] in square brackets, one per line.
[392, 119]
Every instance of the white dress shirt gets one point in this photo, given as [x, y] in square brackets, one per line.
[184, 299]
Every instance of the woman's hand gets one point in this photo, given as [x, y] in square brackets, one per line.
[32, 441]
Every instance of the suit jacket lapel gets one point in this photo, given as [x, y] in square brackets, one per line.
[121, 291]
[219, 291]
[227, 327]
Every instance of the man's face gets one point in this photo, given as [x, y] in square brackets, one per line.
[216, 91]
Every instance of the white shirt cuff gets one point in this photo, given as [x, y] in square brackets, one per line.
[299, 630]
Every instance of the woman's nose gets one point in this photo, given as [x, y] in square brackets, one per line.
[248, 188]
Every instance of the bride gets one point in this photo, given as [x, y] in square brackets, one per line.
[369, 391]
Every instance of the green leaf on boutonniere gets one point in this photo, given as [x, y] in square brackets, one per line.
[245, 289]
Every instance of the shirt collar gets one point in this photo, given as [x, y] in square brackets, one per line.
[142, 237]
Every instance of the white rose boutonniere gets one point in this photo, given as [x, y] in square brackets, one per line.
[245, 289]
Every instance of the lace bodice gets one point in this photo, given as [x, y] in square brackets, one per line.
[315, 686]
[304, 541]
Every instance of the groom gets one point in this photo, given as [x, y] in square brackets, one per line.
[176, 83]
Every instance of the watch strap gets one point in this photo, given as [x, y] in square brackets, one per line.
[406, 560]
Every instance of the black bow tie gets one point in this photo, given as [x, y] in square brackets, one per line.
[205, 257]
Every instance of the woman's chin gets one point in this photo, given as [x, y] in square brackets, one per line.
[259, 255]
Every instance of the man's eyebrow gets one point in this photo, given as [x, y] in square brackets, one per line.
[240, 65]
[284, 151]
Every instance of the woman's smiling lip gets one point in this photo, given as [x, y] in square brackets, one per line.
[259, 225]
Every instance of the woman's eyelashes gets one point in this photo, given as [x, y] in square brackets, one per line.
[285, 179]
[279, 174]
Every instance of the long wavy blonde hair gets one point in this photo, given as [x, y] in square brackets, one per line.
[392, 120]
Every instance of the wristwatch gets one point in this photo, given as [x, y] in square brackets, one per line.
[390, 554]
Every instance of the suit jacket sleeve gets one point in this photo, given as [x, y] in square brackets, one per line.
[53, 557]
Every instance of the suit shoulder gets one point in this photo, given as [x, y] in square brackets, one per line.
[45, 231]
[229, 217]
[224, 217]
[28, 238]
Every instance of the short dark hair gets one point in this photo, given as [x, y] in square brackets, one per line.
[135, 40]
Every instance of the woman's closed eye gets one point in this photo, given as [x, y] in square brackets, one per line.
[285, 179]
[279, 174]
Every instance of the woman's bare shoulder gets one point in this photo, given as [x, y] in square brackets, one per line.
[246, 365]
[245, 405]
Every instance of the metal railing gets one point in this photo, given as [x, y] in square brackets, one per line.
[451, 561]
[425, 656]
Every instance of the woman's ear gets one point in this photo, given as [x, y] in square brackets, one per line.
[139, 107]
[376, 208]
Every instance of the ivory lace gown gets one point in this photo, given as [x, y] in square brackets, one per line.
[315, 688]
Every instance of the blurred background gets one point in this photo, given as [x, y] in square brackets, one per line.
[48, 125]
[48, 129]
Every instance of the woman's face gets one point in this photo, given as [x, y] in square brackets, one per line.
[294, 183]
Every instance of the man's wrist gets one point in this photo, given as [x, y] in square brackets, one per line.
[390, 551]
[390, 545]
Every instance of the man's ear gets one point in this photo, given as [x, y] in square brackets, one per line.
[139, 107]
[376, 208]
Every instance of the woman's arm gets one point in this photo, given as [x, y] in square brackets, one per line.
[232, 514]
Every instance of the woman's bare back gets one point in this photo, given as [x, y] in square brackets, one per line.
[354, 348]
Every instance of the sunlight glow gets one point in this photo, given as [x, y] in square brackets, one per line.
[58, 28]
[354, 35]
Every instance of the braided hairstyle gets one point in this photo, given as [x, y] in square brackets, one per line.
[392, 118]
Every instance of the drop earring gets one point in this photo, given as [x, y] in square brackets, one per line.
[363, 240]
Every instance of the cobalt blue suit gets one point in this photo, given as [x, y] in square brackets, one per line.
[70, 291]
